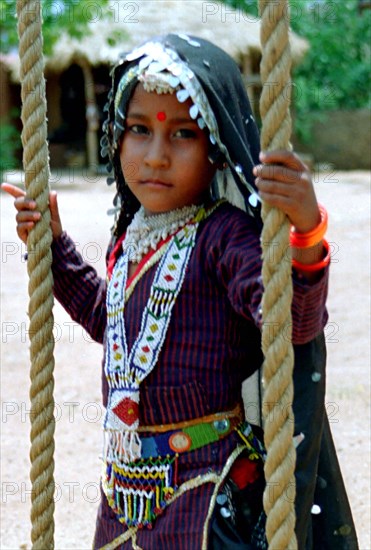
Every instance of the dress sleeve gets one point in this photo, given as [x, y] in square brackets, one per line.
[78, 288]
[239, 271]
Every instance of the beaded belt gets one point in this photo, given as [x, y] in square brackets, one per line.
[189, 435]
[139, 491]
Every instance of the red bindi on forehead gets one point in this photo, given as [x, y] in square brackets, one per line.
[161, 116]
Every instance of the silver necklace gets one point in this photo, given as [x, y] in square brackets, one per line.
[145, 232]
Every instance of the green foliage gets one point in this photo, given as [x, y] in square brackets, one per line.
[72, 16]
[8, 25]
[248, 6]
[10, 144]
[335, 73]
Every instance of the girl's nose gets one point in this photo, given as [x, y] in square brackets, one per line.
[157, 155]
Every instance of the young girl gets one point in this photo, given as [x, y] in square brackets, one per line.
[179, 314]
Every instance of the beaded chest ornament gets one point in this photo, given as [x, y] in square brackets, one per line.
[125, 372]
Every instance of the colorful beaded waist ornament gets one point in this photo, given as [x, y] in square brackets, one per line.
[138, 492]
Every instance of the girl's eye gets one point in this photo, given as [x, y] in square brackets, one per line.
[139, 129]
[185, 133]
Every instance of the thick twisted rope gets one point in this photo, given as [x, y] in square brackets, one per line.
[36, 167]
[279, 494]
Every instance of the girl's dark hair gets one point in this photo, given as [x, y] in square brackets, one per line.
[129, 204]
[125, 202]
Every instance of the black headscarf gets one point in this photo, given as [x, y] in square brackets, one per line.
[211, 74]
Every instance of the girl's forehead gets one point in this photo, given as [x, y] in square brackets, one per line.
[152, 102]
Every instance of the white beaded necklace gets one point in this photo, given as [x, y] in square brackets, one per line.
[125, 371]
[145, 232]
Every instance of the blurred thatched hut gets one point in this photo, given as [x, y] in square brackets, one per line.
[78, 71]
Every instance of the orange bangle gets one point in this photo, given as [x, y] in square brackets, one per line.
[317, 266]
[313, 237]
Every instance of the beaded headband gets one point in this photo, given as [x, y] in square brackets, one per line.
[161, 71]
[160, 83]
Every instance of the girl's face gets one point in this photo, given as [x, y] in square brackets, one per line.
[164, 153]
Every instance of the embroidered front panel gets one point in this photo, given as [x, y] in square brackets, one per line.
[125, 372]
[139, 484]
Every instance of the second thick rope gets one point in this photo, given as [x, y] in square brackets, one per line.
[35, 163]
[279, 496]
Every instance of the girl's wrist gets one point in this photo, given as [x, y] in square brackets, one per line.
[313, 237]
[313, 259]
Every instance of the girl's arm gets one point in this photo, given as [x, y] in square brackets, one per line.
[234, 254]
[77, 285]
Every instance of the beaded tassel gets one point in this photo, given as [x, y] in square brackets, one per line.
[138, 492]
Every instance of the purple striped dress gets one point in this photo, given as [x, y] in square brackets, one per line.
[211, 347]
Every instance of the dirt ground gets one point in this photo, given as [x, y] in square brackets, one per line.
[83, 204]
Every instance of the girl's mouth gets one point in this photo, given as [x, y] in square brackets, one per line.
[155, 183]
